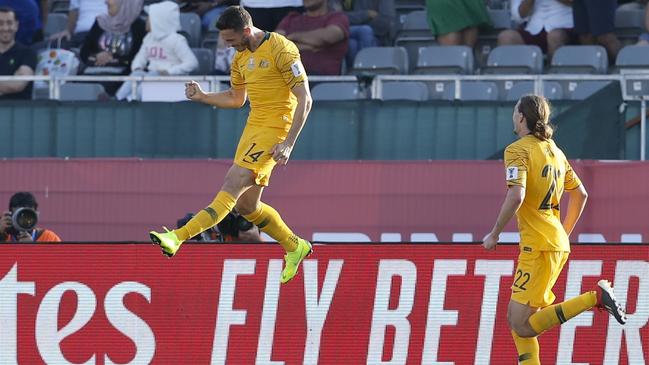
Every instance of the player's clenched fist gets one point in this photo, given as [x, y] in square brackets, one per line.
[193, 91]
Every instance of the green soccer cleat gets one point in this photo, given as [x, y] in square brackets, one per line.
[293, 259]
[168, 241]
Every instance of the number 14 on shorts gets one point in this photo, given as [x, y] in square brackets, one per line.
[250, 156]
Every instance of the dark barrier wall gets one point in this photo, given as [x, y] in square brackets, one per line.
[350, 304]
[370, 130]
[105, 200]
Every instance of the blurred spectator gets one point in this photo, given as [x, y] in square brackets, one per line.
[164, 51]
[371, 23]
[208, 10]
[267, 14]
[15, 58]
[81, 17]
[455, 22]
[595, 23]
[545, 23]
[19, 223]
[644, 37]
[223, 58]
[321, 36]
[113, 41]
[28, 15]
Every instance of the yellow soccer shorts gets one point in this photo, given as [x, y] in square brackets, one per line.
[535, 275]
[253, 151]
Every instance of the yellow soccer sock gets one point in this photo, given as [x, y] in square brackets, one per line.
[557, 314]
[528, 350]
[269, 222]
[208, 217]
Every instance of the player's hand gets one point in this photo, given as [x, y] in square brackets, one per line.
[193, 91]
[281, 152]
[490, 241]
[5, 222]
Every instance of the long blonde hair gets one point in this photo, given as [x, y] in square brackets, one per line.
[536, 110]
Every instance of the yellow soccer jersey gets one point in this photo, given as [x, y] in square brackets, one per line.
[542, 168]
[268, 74]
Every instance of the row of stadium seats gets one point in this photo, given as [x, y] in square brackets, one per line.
[469, 90]
[519, 59]
[190, 26]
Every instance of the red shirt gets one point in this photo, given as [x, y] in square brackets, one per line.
[327, 60]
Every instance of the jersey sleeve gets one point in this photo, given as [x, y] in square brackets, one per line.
[288, 63]
[236, 78]
[516, 163]
[571, 181]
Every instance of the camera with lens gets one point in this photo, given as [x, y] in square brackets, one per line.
[22, 219]
[234, 223]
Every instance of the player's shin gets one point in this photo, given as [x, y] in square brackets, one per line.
[269, 221]
[208, 217]
[528, 349]
[557, 314]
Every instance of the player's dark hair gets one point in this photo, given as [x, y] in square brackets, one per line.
[6, 9]
[235, 18]
[536, 111]
[23, 199]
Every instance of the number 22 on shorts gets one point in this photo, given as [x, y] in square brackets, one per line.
[252, 157]
[521, 279]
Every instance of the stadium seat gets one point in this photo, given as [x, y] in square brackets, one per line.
[381, 60]
[518, 59]
[478, 90]
[80, 91]
[551, 90]
[59, 6]
[445, 60]
[415, 24]
[580, 59]
[500, 18]
[405, 90]
[336, 91]
[633, 57]
[205, 58]
[584, 89]
[441, 90]
[190, 23]
[629, 22]
[414, 34]
[56, 22]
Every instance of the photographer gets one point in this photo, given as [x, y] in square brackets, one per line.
[19, 223]
[235, 228]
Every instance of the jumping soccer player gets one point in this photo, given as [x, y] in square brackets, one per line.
[267, 70]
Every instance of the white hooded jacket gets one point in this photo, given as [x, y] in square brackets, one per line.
[163, 49]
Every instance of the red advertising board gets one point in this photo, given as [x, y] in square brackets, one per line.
[86, 200]
[350, 304]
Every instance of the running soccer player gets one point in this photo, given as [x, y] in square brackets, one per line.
[267, 70]
[537, 172]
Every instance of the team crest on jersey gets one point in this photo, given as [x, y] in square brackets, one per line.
[251, 64]
[264, 64]
[512, 173]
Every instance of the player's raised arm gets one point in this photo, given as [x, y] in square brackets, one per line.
[232, 98]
